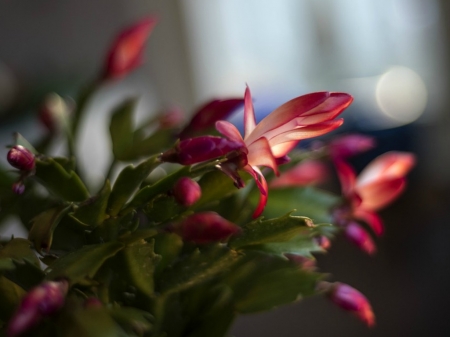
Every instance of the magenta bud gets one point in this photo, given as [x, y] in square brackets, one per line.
[350, 299]
[18, 187]
[195, 150]
[207, 116]
[187, 191]
[21, 158]
[207, 227]
[360, 237]
[323, 241]
[350, 145]
[43, 300]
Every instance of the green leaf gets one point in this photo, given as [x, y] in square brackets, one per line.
[65, 184]
[272, 230]
[168, 246]
[198, 267]
[163, 208]
[83, 263]
[127, 183]
[155, 143]
[263, 282]
[93, 211]
[41, 233]
[20, 140]
[139, 261]
[132, 320]
[309, 201]
[121, 130]
[129, 238]
[20, 250]
[215, 186]
[88, 322]
[11, 295]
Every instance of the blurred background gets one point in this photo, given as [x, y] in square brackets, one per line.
[391, 55]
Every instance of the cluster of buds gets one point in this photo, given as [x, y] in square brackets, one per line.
[22, 159]
[43, 300]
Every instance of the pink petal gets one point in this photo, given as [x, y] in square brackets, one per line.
[281, 150]
[347, 177]
[306, 132]
[350, 145]
[249, 113]
[306, 173]
[229, 130]
[263, 189]
[371, 218]
[380, 193]
[305, 105]
[387, 166]
[260, 154]
[360, 237]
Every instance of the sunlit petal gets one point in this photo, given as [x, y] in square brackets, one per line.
[260, 154]
[229, 130]
[371, 218]
[249, 113]
[262, 186]
[380, 193]
[280, 150]
[347, 177]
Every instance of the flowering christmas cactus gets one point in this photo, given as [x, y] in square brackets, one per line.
[231, 227]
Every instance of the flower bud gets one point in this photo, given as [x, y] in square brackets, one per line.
[323, 241]
[18, 187]
[207, 227]
[305, 173]
[195, 150]
[126, 51]
[360, 237]
[54, 111]
[350, 145]
[209, 114]
[187, 191]
[350, 299]
[43, 300]
[21, 158]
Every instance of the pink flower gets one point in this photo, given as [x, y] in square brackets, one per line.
[301, 118]
[187, 191]
[305, 173]
[360, 237]
[126, 51]
[350, 299]
[380, 183]
[207, 227]
[350, 145]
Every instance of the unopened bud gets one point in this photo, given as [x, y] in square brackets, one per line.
[360, 237]
[187, 191]
[21, 158]
[209, 114]
[350, 299]
[207, 227]
[195, 150]
[323, 242]
[126, 51]
[43, 300]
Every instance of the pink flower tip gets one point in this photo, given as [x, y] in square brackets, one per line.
[350, 299]
[323, 242]
[21, 158]
[360, 237]
[187, 191]
[207, 227]
[43, 300]
[305, 173]
[126, 52]
[350, 145]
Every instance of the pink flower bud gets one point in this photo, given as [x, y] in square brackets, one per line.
[43, 300]
[350, 145]
[21, 158]
[195, 150]
[207, 227]
[360, 237]
[187, 191]
[126, 51]
[207, 116]
[323, 241]
[18, 187]
[350, 299]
